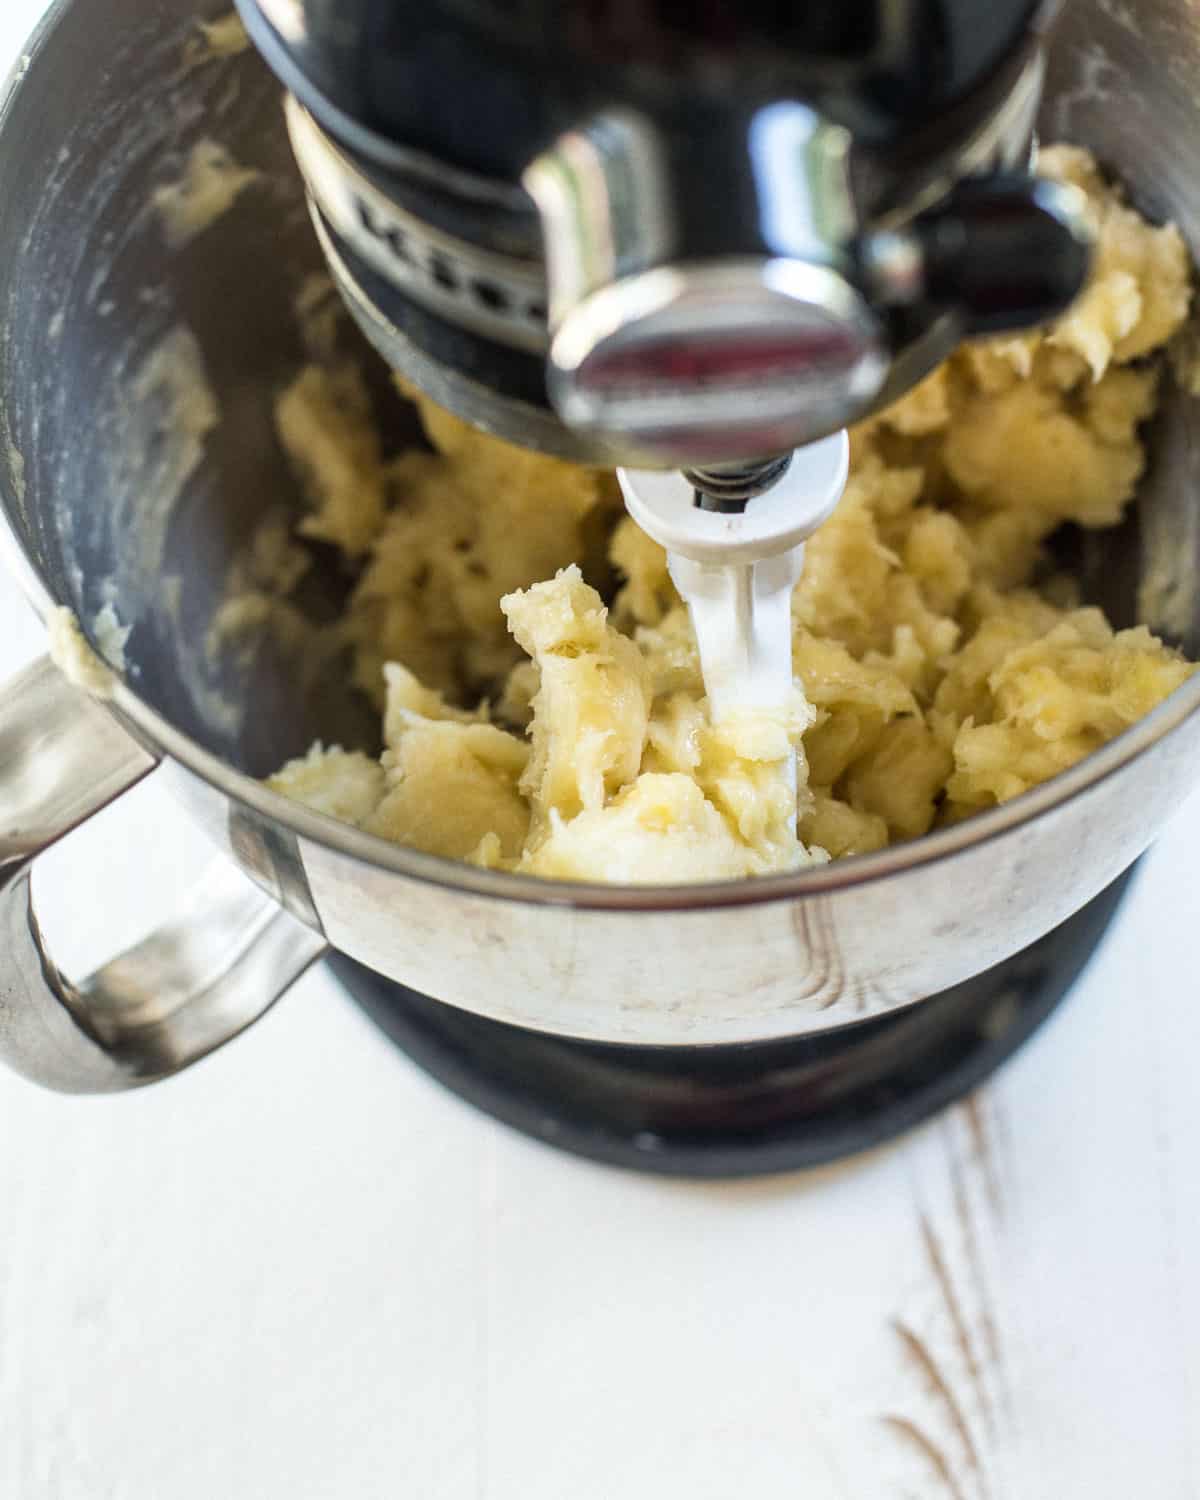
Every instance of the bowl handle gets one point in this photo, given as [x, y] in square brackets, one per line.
[192, 985]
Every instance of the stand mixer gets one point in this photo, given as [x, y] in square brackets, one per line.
[695, 239]
[692, 243]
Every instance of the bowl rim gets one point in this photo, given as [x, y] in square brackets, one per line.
[343, 839]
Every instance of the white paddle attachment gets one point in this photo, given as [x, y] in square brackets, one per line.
[737, 571]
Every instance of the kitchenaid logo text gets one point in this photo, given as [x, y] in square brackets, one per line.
[495, 296]
[454, 276]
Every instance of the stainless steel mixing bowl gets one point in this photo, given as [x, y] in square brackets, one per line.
[106, 496]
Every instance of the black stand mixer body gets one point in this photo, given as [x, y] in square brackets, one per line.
[658, 234]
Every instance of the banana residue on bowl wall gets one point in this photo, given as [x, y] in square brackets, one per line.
[161, 418]
[94, 669]
[72, 653]
[937, 680]
[112, 638]
[157, 428]
[216, 40]
[211, 184]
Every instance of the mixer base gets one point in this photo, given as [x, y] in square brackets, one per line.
[747, 1109]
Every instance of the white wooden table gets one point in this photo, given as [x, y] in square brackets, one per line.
[303, 1271]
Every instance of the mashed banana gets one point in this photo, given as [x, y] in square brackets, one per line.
[932, 678]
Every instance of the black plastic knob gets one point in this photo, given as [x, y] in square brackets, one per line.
[1007, 252]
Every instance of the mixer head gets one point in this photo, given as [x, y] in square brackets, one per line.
[691, 233]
